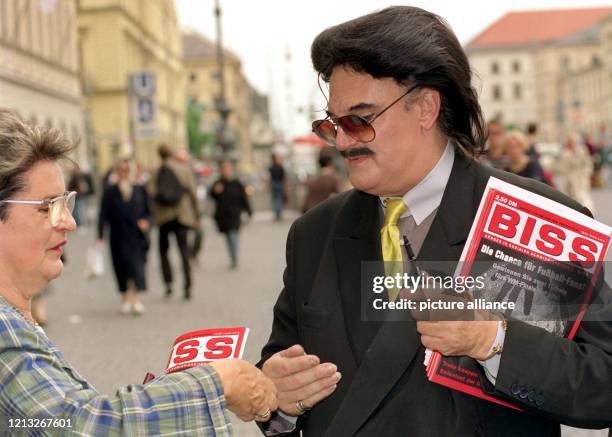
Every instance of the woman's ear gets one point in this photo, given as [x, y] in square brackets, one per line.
[429, 103]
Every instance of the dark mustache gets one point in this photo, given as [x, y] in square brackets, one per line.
[358, 151]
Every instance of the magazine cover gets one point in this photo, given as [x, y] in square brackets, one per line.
[535, 253]
[207, 345]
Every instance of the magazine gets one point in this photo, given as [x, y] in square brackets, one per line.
[542, 256]
[207, 345]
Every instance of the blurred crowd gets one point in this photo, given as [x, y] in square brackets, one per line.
[574, 167]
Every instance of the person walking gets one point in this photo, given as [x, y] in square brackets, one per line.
[277, 186]
[176, 211]
[323, 186]
[125, 211]
[520, 159]
[576, 165]
[230, 199]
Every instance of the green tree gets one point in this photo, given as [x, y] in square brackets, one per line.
[197, 139]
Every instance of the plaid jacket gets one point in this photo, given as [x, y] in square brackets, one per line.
[38, 385]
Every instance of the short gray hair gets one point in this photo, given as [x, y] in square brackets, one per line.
[21, 147]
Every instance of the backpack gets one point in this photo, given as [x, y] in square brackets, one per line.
[169, 189]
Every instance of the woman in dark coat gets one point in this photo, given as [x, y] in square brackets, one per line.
[125, 209]
[231, 199]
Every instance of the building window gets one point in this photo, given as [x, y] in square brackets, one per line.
[497, 93]
[517, 91]
[193, 77]
[516, 66]
[565, 63]
[595, 61]
[494, 68]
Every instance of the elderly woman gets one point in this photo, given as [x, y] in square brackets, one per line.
[36, 380]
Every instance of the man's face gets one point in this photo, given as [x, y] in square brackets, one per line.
[397, 154]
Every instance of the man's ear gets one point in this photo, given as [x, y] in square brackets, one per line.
[429, 103]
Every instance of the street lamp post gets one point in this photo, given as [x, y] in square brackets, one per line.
[221, 104]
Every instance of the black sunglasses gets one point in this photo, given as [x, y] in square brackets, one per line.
[354, 126]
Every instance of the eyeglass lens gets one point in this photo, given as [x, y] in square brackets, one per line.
[56, 208]
[354, 126]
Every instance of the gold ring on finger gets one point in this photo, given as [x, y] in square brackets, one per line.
[301, 407]
[265, 415]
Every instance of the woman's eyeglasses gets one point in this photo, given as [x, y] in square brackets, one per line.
[55, 206]
[354, 126]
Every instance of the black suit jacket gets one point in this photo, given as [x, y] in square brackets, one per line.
[384, 390]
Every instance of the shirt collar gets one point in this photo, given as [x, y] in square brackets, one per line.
[426, 196]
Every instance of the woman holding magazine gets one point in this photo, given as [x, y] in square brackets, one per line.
[40, 389]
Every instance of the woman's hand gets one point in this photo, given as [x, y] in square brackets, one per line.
[143, 225]
[248, 392]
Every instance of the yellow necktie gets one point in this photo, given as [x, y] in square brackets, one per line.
[390, 240]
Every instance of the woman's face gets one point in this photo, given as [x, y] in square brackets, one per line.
[514, 149]
[30, 248]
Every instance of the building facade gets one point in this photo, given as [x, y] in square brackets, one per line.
[39, 66]
[203, 89]
[118, 39]
[551, 72]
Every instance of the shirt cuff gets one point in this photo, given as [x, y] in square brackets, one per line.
[491, 366]
[280, 424]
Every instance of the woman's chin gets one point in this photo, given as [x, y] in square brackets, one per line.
[54, 270]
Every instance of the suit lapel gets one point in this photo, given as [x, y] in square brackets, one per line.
[393, 345]
[357, 241]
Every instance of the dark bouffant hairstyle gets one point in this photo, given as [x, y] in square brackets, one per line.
[412, 46]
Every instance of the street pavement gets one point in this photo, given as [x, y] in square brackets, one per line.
[111, 350]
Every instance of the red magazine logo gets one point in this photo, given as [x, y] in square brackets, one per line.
[540, 236]
[199, 347]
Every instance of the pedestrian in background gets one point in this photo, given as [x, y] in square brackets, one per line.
[230, 201]
[125, 210]
[197, 235]
[494, 147]
[520, 162]
[176, 211]
[323, 186]
[277, 186]
[576, 165]
[82, 184]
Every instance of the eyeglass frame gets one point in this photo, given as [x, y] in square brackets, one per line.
[67, 196]
[334, 120]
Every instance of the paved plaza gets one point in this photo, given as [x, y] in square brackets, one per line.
[112, 350]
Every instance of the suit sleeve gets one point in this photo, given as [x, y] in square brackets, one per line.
[569, 381]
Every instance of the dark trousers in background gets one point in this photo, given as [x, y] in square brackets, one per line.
[180, 232]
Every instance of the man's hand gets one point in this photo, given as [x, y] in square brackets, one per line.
[248, 392]
[451, 328]
[471, 338]
[300, 378]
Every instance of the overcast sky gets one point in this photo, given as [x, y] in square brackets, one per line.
[260, 32]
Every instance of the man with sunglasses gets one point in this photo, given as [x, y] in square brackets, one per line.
[404, 115]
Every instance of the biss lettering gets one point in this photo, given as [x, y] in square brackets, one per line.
[545, 237]
[217, 348]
